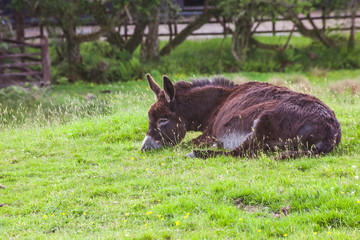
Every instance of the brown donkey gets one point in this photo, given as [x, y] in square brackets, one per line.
[242, 118]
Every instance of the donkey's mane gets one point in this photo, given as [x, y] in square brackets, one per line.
[202, 82]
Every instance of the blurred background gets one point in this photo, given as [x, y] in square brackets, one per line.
[52, 41]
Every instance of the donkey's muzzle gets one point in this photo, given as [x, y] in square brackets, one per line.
[149, 143]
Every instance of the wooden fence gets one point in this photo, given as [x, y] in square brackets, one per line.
[224, 27]
[18, 59]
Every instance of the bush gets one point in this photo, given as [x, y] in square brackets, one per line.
[105, 63]
[102, 63]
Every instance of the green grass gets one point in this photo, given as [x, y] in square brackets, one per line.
[72, 169]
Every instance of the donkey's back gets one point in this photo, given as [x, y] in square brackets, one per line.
[261, 116]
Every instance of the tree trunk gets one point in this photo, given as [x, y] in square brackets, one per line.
[235, 43]
[19, 21]
[314, 33]
[74, 60]
[150, 48]
[241, 39]
[73, 53]
[20, 32]
[352, 31]
[137, 37]
[273, 47]
[190, 28]
[114, 38]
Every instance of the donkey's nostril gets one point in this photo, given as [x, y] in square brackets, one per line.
[149, 143]
[145, 148]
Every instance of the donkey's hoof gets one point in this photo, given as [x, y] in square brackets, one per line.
[191, 155]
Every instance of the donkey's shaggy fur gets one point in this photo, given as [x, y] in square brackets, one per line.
[242, 118]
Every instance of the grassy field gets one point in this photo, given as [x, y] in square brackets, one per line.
[71, 168]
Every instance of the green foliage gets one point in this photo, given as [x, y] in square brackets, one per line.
[3, 46]
[103, 62]
[69, 13]
[5, 30]
[248, 8]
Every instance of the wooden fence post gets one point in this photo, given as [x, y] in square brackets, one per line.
[273, 28]
[323, 18]
[45, 56]
[126, 31]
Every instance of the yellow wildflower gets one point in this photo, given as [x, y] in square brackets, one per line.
[259, 230]
[177, 223]
[315, 233]
[84, 213]
[329, 232]
[146, 225]
[45, 216]
[125, 220]
[63, 213]
[162, 219]
[240, 219]
[188, 214]
[127, 214]
[185, 216]
[148, 213]
[285, 235]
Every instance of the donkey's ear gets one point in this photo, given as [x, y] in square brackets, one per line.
[169, 89]
[153, 85]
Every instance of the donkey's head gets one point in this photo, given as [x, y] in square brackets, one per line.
[165, 124]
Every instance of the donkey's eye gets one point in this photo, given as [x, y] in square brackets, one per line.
[162, 121]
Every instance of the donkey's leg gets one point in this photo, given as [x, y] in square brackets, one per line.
[204, 140]
[319, 146]
[249, 148]
[312, 140]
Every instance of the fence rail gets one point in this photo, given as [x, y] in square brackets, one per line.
[173, 25]
[18, 59]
